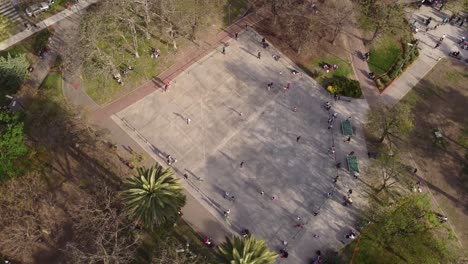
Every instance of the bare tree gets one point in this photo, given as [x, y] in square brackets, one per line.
[391, 171]
[22, 229]
[103, 233]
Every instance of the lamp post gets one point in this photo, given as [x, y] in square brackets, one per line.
[413, 46]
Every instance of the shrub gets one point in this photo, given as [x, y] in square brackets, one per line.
[331, 89]
[394, 73]
[347, 87]
[379, 84]
[41, 40]
[385, 79]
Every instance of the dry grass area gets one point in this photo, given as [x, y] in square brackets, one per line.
[440, 102]
[309, 57]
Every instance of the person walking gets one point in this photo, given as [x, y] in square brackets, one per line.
[236, 35]
[242, 164]
[437, 45]
[224, 51]
[443, 37]
[335, 180]
[298, 138]
[188, 121]
[259, 55]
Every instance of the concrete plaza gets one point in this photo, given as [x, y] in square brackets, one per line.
[235, 119]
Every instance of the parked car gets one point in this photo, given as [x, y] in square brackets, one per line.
[35, 9]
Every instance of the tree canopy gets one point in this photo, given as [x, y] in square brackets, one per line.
[13, 71]
[249, 250]
[12, 145]
[402, 233]
[153, 196]
[390, 123]
[391, 170]
[381, 16]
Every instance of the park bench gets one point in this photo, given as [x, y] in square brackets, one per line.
[353, 166]
[346, 128]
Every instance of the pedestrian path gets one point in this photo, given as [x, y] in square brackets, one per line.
[428, 54]
[360, 67]
[45, 24]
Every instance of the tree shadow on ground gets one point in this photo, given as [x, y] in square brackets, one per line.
[79, 163]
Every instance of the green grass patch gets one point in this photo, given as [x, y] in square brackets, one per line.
[463, 138]
[315, 69]
[52, 84]
[454, 76]
[103, 88]
[6, 27]
[384, 53]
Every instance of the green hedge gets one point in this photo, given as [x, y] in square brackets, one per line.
[41, 40]
[346, 87]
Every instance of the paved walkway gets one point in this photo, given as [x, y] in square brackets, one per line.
[428, 57]
[72, 85]
[45, 23]
[360, 67]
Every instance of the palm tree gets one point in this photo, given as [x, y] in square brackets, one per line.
[153, 196]
[246, 251]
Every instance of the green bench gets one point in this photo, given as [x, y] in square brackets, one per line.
[353, 166]
[346, 128]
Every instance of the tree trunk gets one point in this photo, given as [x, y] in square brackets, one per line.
[135, 39]
[384, 135]
[147, 20]
[376, 33]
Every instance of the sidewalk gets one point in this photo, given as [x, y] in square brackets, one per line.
[72, 83]
[45, 23]
[428, 55]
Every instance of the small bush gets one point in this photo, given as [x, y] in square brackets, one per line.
[385, 79]
[41, 40]
[379, 84]
[331, 89]
[346, 87]
[394, 73]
